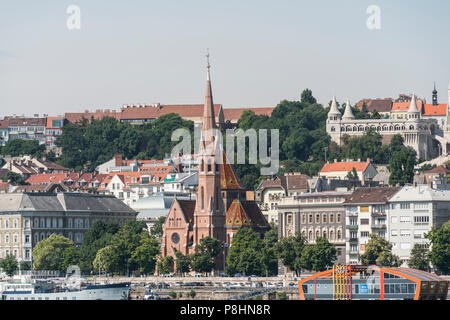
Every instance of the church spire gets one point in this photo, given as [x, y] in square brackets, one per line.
[209, 119]
[434, 96]
[348, 114]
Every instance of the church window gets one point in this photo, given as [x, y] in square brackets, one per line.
[203, 198]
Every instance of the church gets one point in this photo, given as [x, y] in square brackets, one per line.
[220, 208]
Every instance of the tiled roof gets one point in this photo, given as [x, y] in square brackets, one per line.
[228, 179]
[234, 114]
[26, 122]
[369, 105]
[344, 166]
[244, 214]
[43, 178]
[188, 208]
[404, 106]
[287, 182]
[97, 115]
[438, 110]
[153, 112]
[371, 195]
[440, 169]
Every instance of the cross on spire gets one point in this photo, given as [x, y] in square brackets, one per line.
[208, 66]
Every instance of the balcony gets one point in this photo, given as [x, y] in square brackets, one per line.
[352, 226]
[378, 226]
[353, 239]
[379, 213]
[352, 213]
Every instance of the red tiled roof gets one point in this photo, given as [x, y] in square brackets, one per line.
[440, 169]
[153, 112]
[345, 166]
[438, 110]
[234, 114]
[43, 178]
[371, 195]
[97, 115]
[404, 106]
[369, 105]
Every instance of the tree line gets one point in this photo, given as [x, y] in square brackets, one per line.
[130, 249]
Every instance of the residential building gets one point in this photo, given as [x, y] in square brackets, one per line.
[53, 130]
[27, 218]
[413, 211]
[340, 170]
[27, 128]
[314, 215]
[366, 213]
[382, 106]
[270, 192]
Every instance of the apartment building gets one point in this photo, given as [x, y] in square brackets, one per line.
[366, 212]
[413, 211]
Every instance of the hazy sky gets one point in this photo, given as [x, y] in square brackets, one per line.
[262, 51]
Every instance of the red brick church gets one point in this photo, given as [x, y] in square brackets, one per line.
[220, 208]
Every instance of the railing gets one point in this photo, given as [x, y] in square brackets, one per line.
[378, 226]
[352, 226]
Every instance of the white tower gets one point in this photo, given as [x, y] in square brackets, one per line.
[348, 113]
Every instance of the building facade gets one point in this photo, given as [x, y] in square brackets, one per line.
[367, 212]
[27, 218]
[417, 132]
[314, 215]
[413, 211]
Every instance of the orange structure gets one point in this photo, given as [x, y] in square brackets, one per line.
[355, 282]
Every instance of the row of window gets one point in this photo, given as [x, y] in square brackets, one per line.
[326, 218]
[330, 236]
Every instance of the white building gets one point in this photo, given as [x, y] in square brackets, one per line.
[366, 211]
[413, 212]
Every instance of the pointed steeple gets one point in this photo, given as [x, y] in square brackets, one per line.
[434, 96]
[413, 112]
[209, 119]
[334, 109]
[348, 114]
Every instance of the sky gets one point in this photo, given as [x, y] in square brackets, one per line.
[262, 52]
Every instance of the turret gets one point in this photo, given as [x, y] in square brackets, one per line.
[413, 112]
[348, 114]
[334, 114]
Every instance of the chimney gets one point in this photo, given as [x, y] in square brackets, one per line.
[359, 159]
[335, 160]
[118, 160]
[368, 160]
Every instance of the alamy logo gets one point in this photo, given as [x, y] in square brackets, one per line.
[74, 19]
[374, 20]
[258, 145]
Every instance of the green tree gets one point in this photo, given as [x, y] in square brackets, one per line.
[401, 166]
[107, 259]
[182, 262]
[14, 178]
[269, 256]
[54, 253]
[9, 265]
[440, 247]
[307, 97]
[157, 228]
[245, 255]
[324, 253]
[165, 265]
[96, 238]
[203, 259]
[289, 251]
[419, 258]
[20, 147]
[378, 252]
[144, 256]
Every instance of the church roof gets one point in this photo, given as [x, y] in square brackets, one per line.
[188, 207]
[244, 214]
[334, 109]
[228, 179]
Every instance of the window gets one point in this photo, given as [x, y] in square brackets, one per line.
[404, 206]
[394, 219]
[405, 219]
[338, 218]
[317, 218]
[405, 233]
[289, 219]
[331, 218]
[394, 232]
[49, 223]
[324, 218]
[15, 223]
[421, 220]
[339, 234]
[303, 218]
[364, 209]
[310, 218]
[7, 237]
[405, 245]
[16, 238]
[364, 221]
[364, 234]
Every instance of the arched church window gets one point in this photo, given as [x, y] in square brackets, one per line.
[203, 198]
